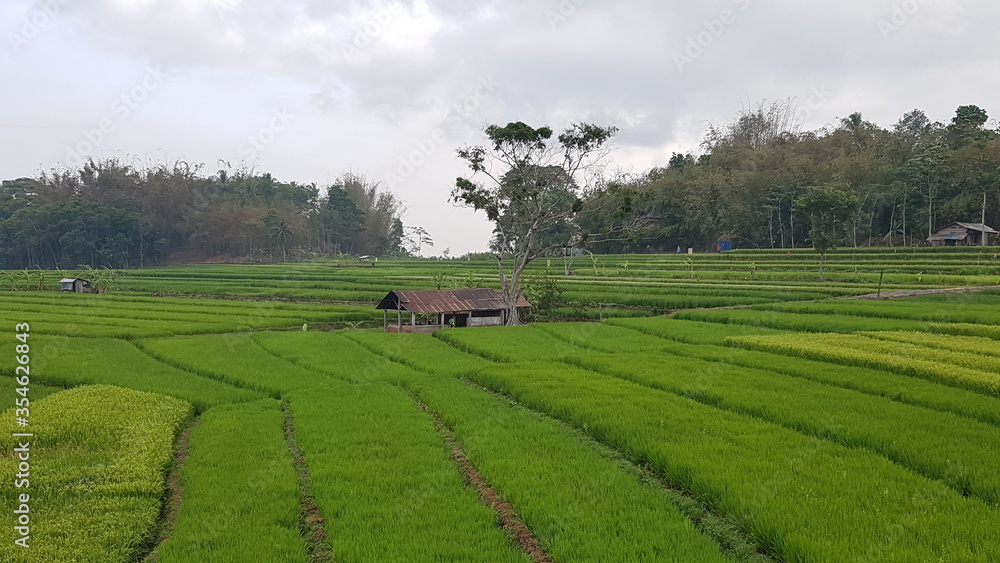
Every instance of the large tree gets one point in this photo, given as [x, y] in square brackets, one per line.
[529, 186]
[829, 208]
[342, 219]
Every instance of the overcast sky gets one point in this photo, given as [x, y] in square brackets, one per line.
[308, 89]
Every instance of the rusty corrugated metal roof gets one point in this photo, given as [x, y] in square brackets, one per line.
[977, 227]
[446, 300]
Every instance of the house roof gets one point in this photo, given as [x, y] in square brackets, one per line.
[977, 227]
[446, 301]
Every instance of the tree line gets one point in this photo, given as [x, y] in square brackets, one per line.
[755, 178]
[115, 214]
[760, 183]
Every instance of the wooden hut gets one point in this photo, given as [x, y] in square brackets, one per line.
[75, 285]
[429, 310]
[962, 234]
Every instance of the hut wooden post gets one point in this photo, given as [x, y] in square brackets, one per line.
[413, 322]
[385, 320]
[399, 321]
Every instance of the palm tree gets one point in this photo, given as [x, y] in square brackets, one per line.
[281, 232]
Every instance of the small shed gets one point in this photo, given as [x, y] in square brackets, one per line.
[962, 234]
[430, 310]
[75, 285]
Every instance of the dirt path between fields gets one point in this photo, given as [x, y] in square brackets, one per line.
[312, 523]
[509, 520]
[916, 292]
[173, 494]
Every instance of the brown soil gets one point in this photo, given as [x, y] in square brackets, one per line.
[509, 520]
[914, 293]
[173, 494]
[312, 523]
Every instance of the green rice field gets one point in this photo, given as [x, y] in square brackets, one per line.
[726, 407]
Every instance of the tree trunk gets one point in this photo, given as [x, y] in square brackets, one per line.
[892, 221]
[930, 210]
[822, 257]
[770, 227]
[511, 287]
[781, 228]
[984, 221]
[904, 218]
[791, 221]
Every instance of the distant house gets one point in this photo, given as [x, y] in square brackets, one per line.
[429, 310]
[75, 285]
[962, 234]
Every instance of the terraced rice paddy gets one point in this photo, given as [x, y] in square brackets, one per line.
[802, 426]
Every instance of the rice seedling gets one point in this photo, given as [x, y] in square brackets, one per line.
[879, 383]
[331, 354]
[969, 344]
[941, 366]
[802, 322]
[234, 358]
[385, 482]
[956, 309]
[63, 362]
[805, 498]
[938, 445]
[691, 332]
[240, 497]
[97, 460]
[574, 495]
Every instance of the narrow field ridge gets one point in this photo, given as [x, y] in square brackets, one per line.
[509, 520]
[312, 524]
[914, 293]
[172, 496]
[272, 393]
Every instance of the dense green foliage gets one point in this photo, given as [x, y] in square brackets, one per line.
[756, 173]
[109, 213]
